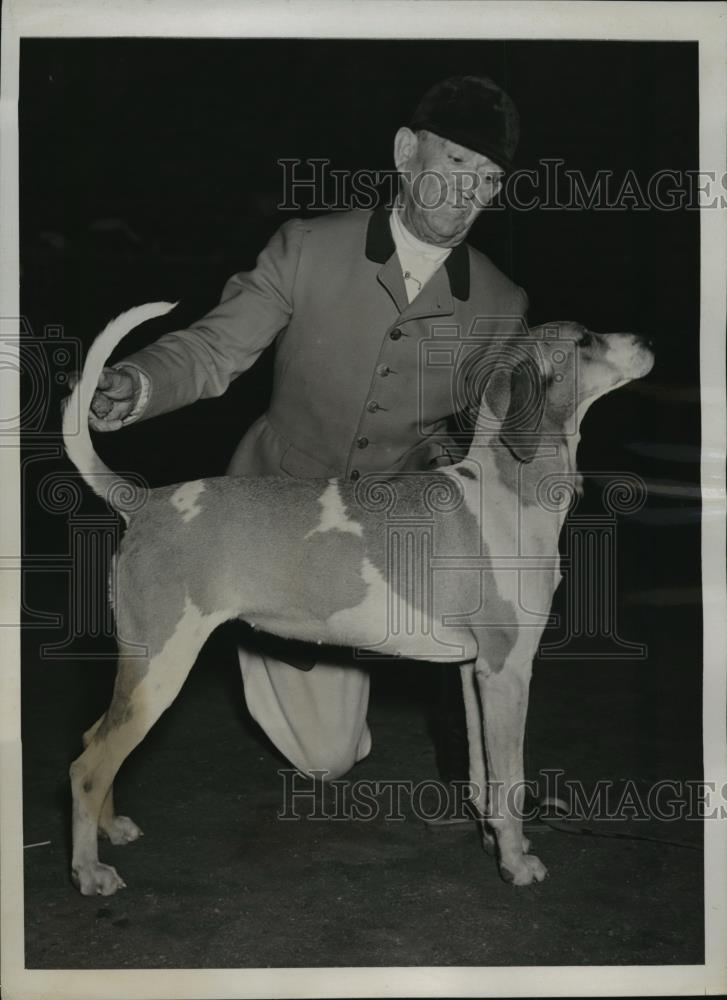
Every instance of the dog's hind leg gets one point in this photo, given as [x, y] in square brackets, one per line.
[144, 689]
[118, 829]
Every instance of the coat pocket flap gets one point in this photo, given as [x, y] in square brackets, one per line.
[302, 466]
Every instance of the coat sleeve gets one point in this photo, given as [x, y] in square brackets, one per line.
[201, 361]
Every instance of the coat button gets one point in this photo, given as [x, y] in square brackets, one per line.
[383, 370]
[355, 474]
[395, 334]
[372, 406]
[362, 442]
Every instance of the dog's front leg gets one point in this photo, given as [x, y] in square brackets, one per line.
[504, 698]
[477, 770]
[477, 774]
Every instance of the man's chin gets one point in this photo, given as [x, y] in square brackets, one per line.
[451, 233]
[454, 224]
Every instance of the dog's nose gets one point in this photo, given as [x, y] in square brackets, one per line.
[642, 340]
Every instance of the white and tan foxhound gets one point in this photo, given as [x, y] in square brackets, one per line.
[458, 565]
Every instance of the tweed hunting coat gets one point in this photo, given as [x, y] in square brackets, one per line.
[364, 381]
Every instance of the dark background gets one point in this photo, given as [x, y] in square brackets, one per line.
[148, 171]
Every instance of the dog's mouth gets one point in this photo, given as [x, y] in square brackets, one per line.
[645, 364]
[630, 354]
[641, 361]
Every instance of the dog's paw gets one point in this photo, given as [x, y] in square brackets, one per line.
[96, 879]
[525, 871]
[122, 830]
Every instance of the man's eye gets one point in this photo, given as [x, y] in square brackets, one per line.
[456, 159]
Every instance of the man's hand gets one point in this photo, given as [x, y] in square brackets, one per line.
[116, 395]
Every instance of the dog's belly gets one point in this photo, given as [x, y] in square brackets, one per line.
[405, 615]
[360, 609]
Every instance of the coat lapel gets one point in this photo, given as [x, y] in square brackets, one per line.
[392, 279]
[436, 298]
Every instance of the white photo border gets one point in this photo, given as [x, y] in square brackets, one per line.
[701, 22]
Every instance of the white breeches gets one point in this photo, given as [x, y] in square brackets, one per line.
[316, 718]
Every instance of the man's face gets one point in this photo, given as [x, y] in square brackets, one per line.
[444, 186]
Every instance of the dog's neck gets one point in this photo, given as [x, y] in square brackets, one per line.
[556, 454]
[530, 487]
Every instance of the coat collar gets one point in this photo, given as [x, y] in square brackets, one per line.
[380, 248]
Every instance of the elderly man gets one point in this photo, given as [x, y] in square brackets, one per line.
[347, 299]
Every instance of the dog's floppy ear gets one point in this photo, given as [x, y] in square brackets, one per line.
[520, 428]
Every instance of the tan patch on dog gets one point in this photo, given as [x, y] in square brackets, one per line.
[185, 498]
[366, 624]
[388, 622]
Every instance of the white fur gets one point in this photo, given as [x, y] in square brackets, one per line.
[77, 439]
[333, 514]
[185, 499]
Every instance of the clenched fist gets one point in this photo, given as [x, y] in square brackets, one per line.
[115, 397]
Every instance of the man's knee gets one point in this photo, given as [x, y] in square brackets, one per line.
[335, 758]
[328, 765]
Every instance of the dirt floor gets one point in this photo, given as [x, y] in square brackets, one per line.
[219, 881]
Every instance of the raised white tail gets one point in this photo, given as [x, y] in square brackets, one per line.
[79, 446]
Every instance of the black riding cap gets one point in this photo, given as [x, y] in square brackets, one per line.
[473, 112]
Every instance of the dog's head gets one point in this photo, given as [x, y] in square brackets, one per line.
[552, 378]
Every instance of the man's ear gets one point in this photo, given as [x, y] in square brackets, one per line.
[520, 430]
[405, 146]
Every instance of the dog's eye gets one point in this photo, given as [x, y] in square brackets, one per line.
[585, 340]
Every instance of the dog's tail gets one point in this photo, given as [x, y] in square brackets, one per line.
[116, 490]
